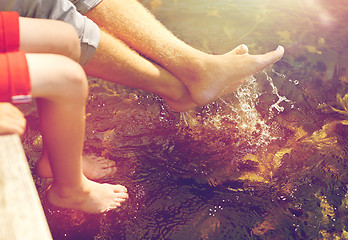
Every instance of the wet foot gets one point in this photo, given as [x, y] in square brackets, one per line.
[207, 77]
[186, 102]
[181, 105]
[93, 167]
[89, 196]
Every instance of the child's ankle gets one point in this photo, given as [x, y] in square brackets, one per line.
[67, 192]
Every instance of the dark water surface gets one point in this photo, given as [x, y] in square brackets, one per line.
[268, 162]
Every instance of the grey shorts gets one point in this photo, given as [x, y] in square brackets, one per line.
[84, 6]
[65, 10]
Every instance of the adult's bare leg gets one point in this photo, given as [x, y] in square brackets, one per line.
[205, 76]
[114, 61]
[61, 87]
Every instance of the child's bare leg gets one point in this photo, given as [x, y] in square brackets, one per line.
[50, 36]
[205, 76]
[61, 88]
[93, 167]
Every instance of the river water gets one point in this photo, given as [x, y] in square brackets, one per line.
[267, 162]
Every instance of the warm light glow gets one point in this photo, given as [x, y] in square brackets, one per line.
[315, 7]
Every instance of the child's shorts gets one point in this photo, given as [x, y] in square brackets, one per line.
[83, 6]
[14, 73]
[63, 10]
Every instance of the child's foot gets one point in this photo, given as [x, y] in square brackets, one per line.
[207, 76]
[89, 197]
[93, 167]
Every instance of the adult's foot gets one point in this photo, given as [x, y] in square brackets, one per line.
[89, 196]
[93, 167]
[187, 102]
[207, 76]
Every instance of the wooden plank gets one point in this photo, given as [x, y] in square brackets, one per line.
[21, 213]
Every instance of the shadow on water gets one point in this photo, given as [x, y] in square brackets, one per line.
[267, 162]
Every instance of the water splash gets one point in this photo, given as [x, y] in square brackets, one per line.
[245, 113]
[242, 113]
[275, 92]
[248, 119]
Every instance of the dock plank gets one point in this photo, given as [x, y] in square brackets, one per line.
[21, 212]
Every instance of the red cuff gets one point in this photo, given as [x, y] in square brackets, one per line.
[15, 84]
[9, 31]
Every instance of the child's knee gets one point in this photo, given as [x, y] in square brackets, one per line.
[70, 82]
[71, 42]
[76, 82]
[57, 78]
